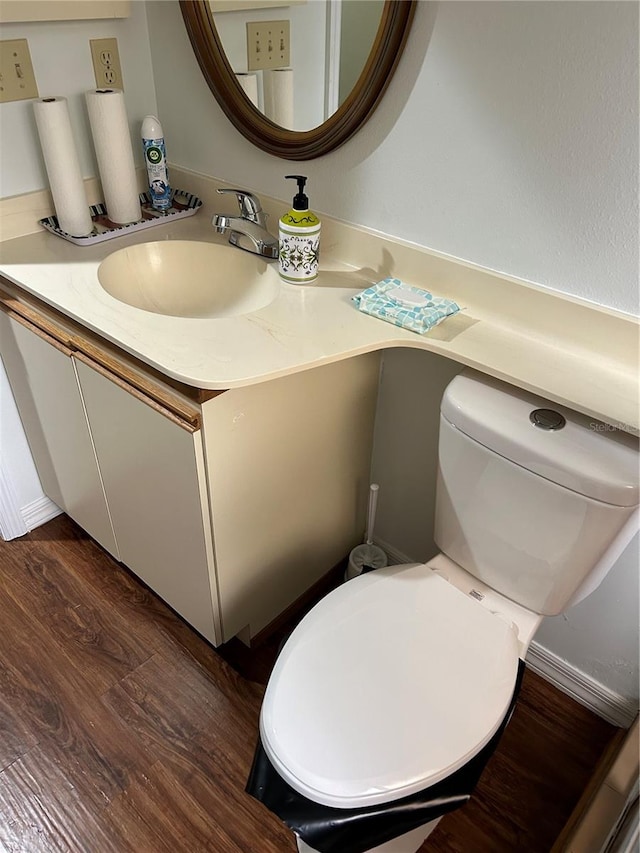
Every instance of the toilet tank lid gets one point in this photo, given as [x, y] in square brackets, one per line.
[584, 455]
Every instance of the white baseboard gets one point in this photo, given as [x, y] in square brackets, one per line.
[611, 706]
[15, 521]
[39, 511]
[12, 523]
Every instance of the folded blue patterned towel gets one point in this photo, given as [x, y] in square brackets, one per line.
[403, 305]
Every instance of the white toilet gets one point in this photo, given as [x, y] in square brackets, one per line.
[398, 678]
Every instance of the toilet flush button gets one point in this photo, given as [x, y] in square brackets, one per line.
[547, 419]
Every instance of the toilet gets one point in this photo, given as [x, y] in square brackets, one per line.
[397, 683]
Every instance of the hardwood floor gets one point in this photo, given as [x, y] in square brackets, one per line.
[121, 730]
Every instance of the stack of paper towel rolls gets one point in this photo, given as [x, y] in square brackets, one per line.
[112, 143]
[62, 165]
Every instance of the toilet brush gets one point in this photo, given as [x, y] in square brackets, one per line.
[365, 557]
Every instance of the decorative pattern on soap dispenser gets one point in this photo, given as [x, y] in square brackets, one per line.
[303, 220]
[299, 256]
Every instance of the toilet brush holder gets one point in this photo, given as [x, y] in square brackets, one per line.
[366, 557]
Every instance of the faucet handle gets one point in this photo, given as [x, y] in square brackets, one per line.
[249, 204]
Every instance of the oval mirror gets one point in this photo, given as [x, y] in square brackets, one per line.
[298, 77]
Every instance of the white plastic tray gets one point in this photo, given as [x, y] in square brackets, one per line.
[182, 204]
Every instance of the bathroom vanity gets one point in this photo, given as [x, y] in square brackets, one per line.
[226, 461]
[228, 505]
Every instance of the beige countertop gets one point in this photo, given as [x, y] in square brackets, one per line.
[564, 349]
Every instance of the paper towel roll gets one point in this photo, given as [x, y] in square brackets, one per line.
[278, 96]
[62, 165]
[249, 83]
[112, 142]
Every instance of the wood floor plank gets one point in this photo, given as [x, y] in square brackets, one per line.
[67, 614]
[123, 731]
[157, 626]
[57, 704]
[168, 714]
[201, 737]
[130, 819]
[250, 826]
[16, 735]
[41, 809]
[144, 805]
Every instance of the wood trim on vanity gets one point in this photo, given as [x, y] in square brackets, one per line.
[139, 385]
[139, 378]
[36, 330]
[188, 425]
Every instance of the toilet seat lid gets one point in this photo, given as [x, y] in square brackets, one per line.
[390, 684]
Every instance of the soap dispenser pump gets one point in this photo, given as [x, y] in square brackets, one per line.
[299, 239]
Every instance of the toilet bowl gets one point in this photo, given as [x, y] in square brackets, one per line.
[391, 694]
[391, 685]
[392, 645]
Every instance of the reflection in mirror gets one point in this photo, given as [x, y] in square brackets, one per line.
[347, 110]
[300, 84]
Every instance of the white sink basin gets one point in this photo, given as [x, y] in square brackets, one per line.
[184, 278]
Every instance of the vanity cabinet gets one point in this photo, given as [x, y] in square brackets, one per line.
[230, 505]
[127, 469]
[42, 375]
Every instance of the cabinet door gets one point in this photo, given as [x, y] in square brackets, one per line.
[44, 384]
[153, 473]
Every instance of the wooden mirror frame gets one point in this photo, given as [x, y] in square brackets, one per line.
[348, 118]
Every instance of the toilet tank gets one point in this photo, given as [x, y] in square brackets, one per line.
[530, 494]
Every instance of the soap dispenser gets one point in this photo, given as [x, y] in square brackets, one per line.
[299, 239]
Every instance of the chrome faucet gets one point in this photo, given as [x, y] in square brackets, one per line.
[247, 231]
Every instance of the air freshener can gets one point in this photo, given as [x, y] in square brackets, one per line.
[155, 160]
